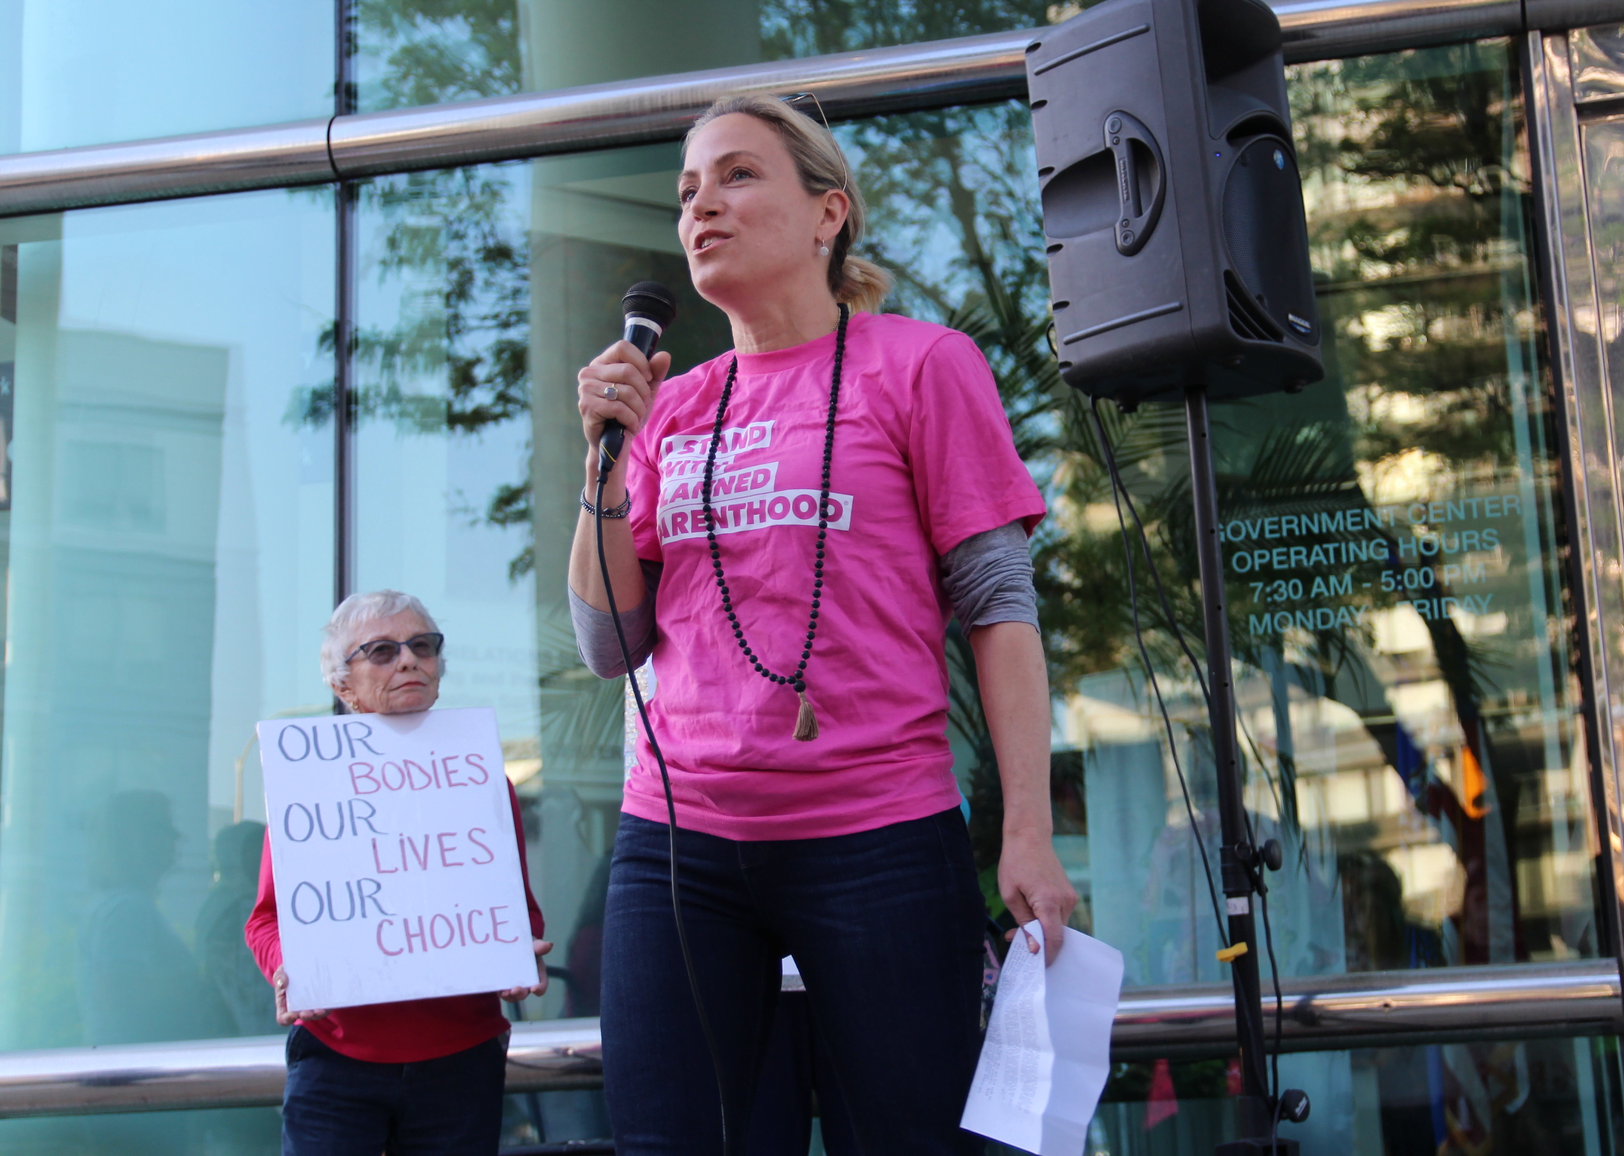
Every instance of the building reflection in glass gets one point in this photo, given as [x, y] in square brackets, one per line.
[1393, 542]
[1405, 687]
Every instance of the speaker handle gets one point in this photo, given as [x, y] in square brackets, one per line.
[1135, 219]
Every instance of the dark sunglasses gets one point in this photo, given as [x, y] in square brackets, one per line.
[382, 651]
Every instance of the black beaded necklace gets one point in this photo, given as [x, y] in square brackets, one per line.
[806, 723]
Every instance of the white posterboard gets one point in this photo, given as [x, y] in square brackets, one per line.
[396, 865]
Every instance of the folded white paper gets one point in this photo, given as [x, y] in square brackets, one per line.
[1048, 1048]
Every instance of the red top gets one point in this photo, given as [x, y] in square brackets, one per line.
[406, 1032]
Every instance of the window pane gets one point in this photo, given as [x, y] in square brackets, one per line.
[80, 72]
[1413, 751]
[1403, 672]
[1405, 708]
[1604, 165]
[1597, 56]
[425, 51]
[1524, 1097]
[482, 291]
[168, 551]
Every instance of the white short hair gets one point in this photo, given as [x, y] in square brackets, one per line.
[343, 631]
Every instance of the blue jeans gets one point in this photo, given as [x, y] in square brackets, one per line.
[336, 1106]
[886, 926]
[795, 1077]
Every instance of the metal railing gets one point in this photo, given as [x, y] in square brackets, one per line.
[660, 108]
[1321, 1014]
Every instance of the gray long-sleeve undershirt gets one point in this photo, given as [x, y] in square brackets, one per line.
[988, 578]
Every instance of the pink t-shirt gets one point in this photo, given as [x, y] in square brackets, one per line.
[923, 459]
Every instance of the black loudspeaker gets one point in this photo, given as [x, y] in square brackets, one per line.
[1172, 207]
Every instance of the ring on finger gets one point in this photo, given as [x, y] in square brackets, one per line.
[610, 393]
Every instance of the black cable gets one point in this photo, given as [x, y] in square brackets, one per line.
[1276, 796]
[1255, 871]
[670, 806]
[1279, 1005]
[1268, 944]
[1150, 671]
[1144, 544]
[1119, 487]
[1268, 939]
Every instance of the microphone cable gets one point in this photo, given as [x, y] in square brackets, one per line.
[1268, 931]
[1118, 489]
[605, 465]
[1279, 1008]
[1119, 495]
[1118, 485]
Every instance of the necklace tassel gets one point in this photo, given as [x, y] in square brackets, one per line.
[806, 723]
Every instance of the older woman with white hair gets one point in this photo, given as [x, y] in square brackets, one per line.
[419, 1076]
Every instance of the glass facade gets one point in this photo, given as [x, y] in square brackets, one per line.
[1533, 1096]
[411, 52]
[1599, 69]
[1404, 678]
[169, 552]
[1395, 539]
[83, 72]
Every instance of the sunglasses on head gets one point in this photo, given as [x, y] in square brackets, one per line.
[381, 651]
[796, 100]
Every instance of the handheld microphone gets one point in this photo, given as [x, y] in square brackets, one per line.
[649, 308]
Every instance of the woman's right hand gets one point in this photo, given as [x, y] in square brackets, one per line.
[283, 1016]
[634, 378]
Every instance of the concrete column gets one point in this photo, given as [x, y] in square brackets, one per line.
[599, 223]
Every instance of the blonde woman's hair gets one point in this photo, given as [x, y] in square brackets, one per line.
[822, 166]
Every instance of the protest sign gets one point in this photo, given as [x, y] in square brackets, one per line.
[397, 871]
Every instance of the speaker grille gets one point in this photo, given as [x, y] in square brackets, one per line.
[1267, 239]
[1245, 318]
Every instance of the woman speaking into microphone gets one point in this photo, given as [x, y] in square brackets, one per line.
[787, 531]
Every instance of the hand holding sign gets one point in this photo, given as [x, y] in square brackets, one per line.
[515, 994]
[395, 860]
[284, 1016]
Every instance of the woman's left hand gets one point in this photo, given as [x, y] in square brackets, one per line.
[1034, 886]
[515, 994]
[285, 1015]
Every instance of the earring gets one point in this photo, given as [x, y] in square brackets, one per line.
[823, 250]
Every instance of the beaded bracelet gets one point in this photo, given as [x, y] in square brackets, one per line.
[619, 511]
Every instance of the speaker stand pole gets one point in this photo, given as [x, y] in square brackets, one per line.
[1238, 858]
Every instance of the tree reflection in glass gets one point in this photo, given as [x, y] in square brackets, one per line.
[1397, 605]
[1399, 616]
[1394, 585]
[1392, 543]
[1397, 610]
